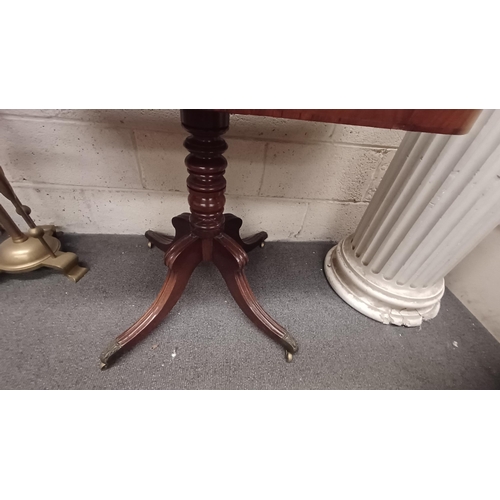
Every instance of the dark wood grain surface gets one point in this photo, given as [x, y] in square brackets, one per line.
[436, 121]
[204, 235]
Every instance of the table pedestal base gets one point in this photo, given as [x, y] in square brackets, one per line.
[206, 234]
[184, 252]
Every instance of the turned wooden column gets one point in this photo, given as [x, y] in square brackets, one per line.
[206, 166]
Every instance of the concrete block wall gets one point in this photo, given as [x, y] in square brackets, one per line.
[476, 282]
[122, 171]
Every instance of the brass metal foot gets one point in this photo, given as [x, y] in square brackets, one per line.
[39, 248]
[288, 356]
[150, 245]
[263, 244]
[108, 353]
[67, 262]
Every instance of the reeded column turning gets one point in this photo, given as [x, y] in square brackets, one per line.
[438, 199]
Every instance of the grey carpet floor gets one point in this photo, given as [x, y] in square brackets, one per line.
[52, 331]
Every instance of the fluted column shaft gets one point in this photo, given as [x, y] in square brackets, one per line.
[438, 199]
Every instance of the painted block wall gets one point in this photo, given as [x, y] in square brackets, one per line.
[476, 282]
[122, 171]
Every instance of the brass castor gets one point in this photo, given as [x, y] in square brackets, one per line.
[150, 245]
[262, 245]
[288, 356]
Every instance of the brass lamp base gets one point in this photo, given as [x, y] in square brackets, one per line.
[32, 253]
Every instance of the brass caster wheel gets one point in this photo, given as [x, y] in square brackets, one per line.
[150, 245]
[262, 245]
[288, 356]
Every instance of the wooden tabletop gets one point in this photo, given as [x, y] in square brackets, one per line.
[436, 121]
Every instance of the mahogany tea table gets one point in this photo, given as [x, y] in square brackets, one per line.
[208, 234]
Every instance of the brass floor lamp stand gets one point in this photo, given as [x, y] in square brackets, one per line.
[38, 247]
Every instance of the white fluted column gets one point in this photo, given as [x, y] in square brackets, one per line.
[438, 199]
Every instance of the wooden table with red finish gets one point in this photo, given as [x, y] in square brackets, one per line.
[208, 234]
